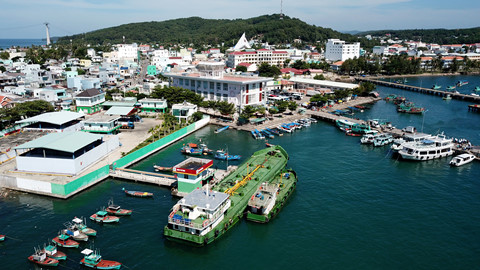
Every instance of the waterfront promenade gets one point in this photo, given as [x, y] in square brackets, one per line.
[439, 93]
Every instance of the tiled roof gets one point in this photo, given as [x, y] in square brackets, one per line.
[90, 93]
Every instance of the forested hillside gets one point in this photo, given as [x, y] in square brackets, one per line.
[439, 36]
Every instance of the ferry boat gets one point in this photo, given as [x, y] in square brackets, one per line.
[436, 87]
[141, 194]
[40, 257]
[408, 138]
[461, 83]
[80, 224]
[382, 139]
[52, 252]
[62, 240]
[432, 148]
[462, 159]
[271, 196]
[94, 260]
[103, 217]
[202, 216]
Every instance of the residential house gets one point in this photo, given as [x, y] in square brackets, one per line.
[90, 101]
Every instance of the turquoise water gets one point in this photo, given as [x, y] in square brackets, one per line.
[355, 207]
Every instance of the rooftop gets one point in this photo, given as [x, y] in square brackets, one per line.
[324, 83]
[90, 93]
[62, 141]
[209, 200]
[101, 119]
[119, 110]
[56, 118]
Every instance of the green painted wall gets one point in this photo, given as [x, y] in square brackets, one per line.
[188, 187]
[68, 188]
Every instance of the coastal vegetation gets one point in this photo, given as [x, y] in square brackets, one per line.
[8, 116]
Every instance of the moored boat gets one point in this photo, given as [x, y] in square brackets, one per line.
[461, 83]
[382, 139]
[76, 234]
[451, 88]
[191, 149]
[94, 260]
[80, 224]
[271, 196]
[477, 89]
[140, 194]
[41, 258]
[162, 169]
[462, 159]
[222, 155]
[63, 240]
[114, 209]
[435, 147]
[221, 129]
[52, 252]
[103, 217]
[408, 138]
[202, 216]
[447, 97]
[436, 87]
[369, 137]
[2, 237]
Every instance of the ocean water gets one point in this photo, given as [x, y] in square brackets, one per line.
[355, 207]
[7, 43]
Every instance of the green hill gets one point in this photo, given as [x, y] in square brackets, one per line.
[268, 28]
[440, 36]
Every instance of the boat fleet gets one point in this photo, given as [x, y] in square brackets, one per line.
[270, 133]
[77, 231]
[403, 105]
[452, 88]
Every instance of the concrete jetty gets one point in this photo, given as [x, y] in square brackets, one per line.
[439, 93]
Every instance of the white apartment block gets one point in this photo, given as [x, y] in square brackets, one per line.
[338, 50]
[212, 83]
[127, 51]
[258, 57]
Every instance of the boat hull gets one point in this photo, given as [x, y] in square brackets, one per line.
[107, 219]
[89, 232]
[2, 238]
[138, 194]
[121, 212]
[103, 264]
[47, 262]
[65, 243]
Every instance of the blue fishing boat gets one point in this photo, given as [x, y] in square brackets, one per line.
[259, 134]
[222, 155]
[274, 131]
[267, 134]
[254, 134]
[221, 129]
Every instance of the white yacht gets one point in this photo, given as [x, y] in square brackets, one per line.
[462, 159]
[416, 137]
[369, 137]
[431, 148]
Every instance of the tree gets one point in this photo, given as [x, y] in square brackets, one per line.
[281, 105]
[247, 112]
[319, 98]
[4, 55]
[241, 68]
[81, 71]
[2, 69]
[265, 70]
[197, 116]
[226, 108]
[319, 77]
[292, 106]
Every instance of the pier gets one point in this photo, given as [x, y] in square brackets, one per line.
[144, 177]
[474, 108]
[439, 93]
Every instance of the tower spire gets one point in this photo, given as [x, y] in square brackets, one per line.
[48, 33]
[281, 9]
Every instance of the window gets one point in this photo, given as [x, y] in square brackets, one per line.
[212, 85]
[205, 85]
[219, 86]
[187, 82]
[180, 82]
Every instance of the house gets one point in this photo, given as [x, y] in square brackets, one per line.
[153, 105]
[102, 124]
[336, 66]
[63, 153]
[6, 102]
[90, 101]
[184, 110]
[152, 70]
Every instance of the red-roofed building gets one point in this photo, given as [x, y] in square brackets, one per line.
[337, 65]
[295, 71]
[5, 102]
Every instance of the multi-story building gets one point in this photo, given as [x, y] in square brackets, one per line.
[212, 83]
[339, 50]
[90, 101]
[127, 52]
[258, 57]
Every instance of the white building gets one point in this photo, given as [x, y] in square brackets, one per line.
[212, 83]
[258, 57]
[127, 52]
[339, 50]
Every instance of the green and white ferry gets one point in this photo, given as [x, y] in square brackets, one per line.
[202, 216]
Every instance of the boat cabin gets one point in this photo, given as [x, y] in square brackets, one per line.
[199, 211]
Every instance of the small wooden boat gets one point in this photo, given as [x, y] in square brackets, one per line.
[221, 129]
[114, 209]
[63, 240]
[225, 156]
[138, 193]
[2, 237]
[76, 234]
[162, 169]
[40, 257]
[80, 224]
[94, 260]
[103, 217]
[52, 252]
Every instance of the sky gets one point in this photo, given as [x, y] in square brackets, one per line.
[25, 18]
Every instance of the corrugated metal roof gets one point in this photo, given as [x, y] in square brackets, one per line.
[62, 141]
[56, 118]
[324, 83]
[119, 110]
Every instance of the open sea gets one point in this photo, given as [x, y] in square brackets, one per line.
[355, 207]
[27, 42]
